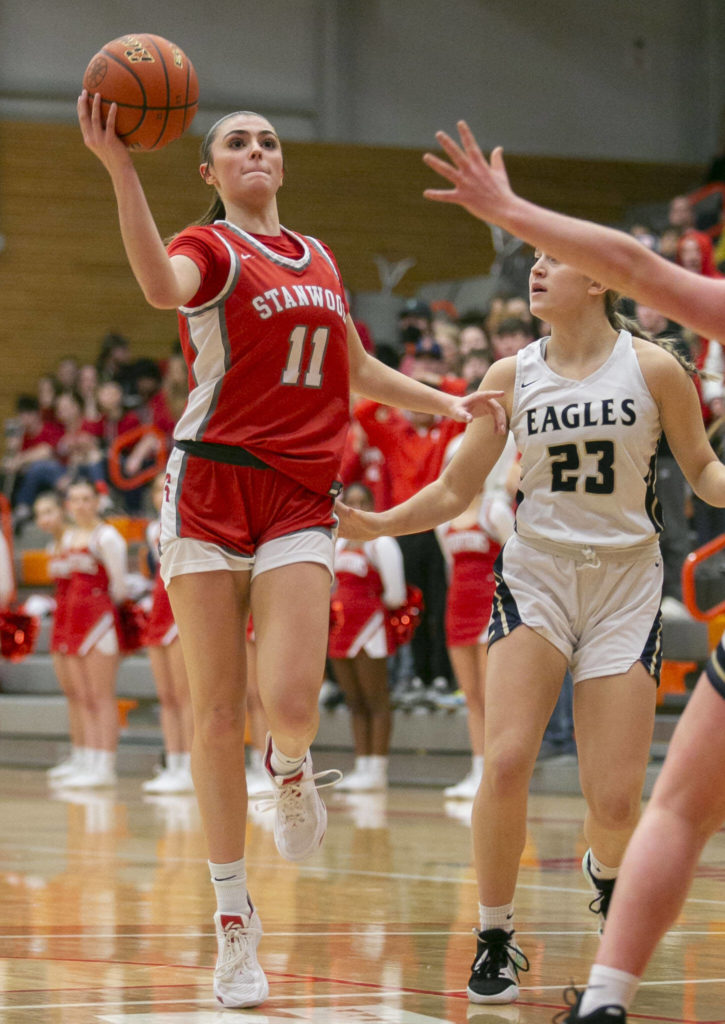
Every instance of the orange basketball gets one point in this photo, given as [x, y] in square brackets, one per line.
[154, 84]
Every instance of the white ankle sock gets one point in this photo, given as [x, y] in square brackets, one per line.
[281, 764]
[608, 986]
[599, 870]
[378, 764]
[496, 917]
[362, 764]
[104, 760]
[174, 761]
[230, 886]
[477, 765]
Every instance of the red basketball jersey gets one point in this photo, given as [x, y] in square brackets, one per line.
[265, 341]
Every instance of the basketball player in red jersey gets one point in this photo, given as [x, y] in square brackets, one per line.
[688, 801]
[247, 518]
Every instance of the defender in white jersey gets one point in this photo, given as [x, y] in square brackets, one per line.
[578, 584]
[688, 802]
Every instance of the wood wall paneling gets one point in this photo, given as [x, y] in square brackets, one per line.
[65, 282]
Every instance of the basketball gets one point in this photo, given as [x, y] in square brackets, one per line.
[153, 83]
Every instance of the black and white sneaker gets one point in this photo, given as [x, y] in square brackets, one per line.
[603, 887]
[495, 971]
[611, 1014]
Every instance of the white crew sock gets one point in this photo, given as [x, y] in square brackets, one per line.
[496, 917]
[281, 764]
[174, 762]
[608, 986]
[230, 886]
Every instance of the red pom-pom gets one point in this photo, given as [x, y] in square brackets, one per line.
[18, 633]
[402, 622]
[132, 621]
[337, 615]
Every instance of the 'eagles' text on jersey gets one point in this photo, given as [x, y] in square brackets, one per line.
[265, 342]
[588, 450]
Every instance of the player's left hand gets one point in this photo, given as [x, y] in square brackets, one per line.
[480, 186]
[480, 403]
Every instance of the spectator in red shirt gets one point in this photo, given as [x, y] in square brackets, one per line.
[114, 419]
[47, 391]
[167, 405]
[88, 390]
[79, 447]
[364, 464]
[30, 464]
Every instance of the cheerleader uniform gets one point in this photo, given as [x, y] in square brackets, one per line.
[161, 629]
[96, 572]
[368, 580]
[471, 553]
[59, 571]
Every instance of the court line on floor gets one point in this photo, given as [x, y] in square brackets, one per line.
[398, 876]
[36, 935]
[378, 992]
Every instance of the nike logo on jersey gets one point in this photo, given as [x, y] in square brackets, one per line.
[247, 255]
[525, 383]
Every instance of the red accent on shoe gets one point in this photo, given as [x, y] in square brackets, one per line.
[227, 919]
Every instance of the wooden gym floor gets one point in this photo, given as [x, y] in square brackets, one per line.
[106, 915]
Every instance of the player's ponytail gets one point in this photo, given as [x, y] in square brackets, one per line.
[620, 322]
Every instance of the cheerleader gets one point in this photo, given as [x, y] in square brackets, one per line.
[94, 560]
[369, 579]
[471, 543]
[51, 519]
[161, 640]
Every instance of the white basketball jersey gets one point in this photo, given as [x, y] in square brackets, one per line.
[588, 451]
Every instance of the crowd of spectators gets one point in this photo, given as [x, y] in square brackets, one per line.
[79, 418]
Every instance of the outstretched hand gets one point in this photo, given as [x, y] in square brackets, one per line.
[480, 187]
[355, 524]
[102, 140]
[481, 403]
